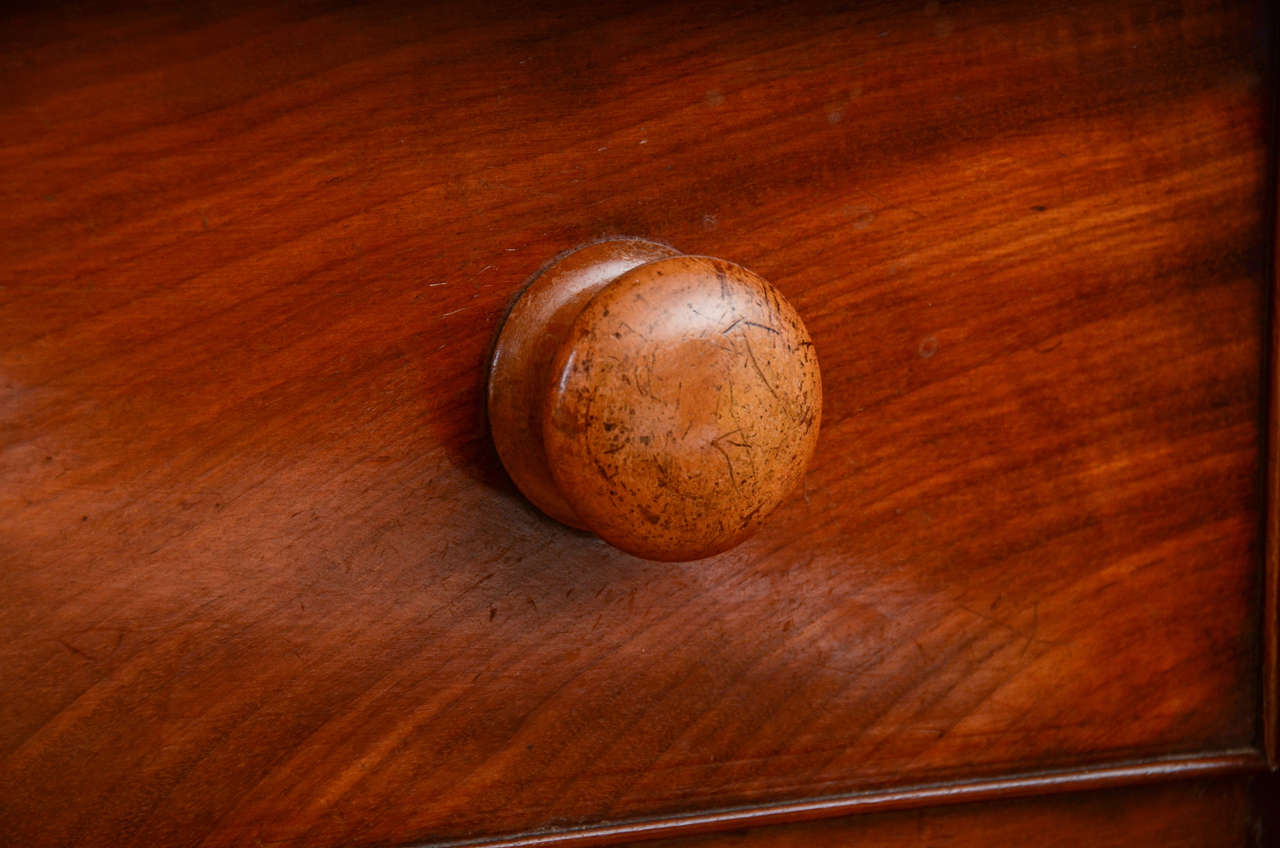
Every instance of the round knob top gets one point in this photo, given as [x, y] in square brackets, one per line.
[683, 407]
[680, 406]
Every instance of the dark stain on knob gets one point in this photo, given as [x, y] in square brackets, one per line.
[665, 402]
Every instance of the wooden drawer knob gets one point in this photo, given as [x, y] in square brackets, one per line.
[667, 403]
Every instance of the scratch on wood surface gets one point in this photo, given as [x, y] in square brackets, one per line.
[73, 649]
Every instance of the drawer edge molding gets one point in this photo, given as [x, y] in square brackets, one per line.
[1270, 711]
[1237, 761]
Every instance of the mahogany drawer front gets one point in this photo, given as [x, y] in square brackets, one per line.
[265, 582]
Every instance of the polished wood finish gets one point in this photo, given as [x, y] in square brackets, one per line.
[265, 581]
[627, 396]
[1208, 814]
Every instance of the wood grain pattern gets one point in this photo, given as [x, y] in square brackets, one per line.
[1209, 814]
[264, 581]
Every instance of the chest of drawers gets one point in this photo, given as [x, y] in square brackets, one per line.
[263, 581]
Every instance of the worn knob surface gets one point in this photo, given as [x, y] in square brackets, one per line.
[667, 403]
